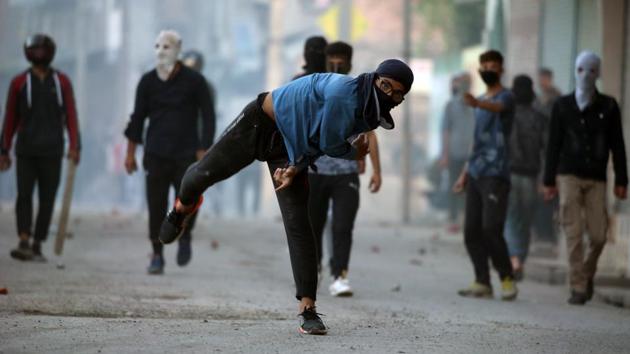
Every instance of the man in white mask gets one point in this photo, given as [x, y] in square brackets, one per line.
[173, 97]
[586, 74]
[167, 47]
[585, 129]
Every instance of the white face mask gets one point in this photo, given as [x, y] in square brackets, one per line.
[167, 48]
[587, 67]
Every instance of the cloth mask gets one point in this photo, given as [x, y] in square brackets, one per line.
[167, 48]
[587, 68]
[489, 77]
[385, 101]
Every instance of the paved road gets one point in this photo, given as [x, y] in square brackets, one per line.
[239, 298]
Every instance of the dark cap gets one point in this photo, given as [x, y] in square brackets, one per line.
[396, 70]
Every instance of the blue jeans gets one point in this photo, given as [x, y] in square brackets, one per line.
[521, 210]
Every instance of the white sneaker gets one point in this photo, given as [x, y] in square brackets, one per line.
[340, 287]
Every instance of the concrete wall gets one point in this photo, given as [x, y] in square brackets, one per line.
[615, 37]
[557, 36]
[523, 33]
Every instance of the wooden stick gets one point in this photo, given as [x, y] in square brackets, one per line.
[65, 208]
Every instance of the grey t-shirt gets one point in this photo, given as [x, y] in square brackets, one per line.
[459, 122]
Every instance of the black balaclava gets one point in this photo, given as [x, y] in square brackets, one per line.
[523, 90]
[395, 70]
[39, 49]
[368, 94]
[314, 55]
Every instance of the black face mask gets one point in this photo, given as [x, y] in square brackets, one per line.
[385, 101]
[41, 62]
[489, 77]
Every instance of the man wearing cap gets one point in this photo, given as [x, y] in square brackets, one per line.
[40, 105]
[290, 128]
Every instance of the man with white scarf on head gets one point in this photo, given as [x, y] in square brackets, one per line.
[171, 96]
[585, 129]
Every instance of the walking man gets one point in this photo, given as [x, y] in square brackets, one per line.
[487, 181]
[336, 181]
[171, 96]
[585, 129]
[458, 124]
[40, 105]
[289, 128]
[527, 143]
[544, 226]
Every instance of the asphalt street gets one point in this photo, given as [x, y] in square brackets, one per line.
[237, 296]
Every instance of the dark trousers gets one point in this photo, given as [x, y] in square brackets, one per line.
[45, 172]
[343, 191]
[161, 174]
[254, 136]
[486, 209]
[455, 201]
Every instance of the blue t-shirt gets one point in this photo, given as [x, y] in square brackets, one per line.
[490, 156]
[316, 114]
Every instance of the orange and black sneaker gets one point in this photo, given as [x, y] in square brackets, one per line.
[311, 323]
[175, 223]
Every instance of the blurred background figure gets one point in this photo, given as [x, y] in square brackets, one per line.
[548, 91]
[527, 142]
[314, 56]
[172, 96]
[545, 227]
[458, 124]
[40, 106]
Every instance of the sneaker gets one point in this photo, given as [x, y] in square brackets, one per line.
[156, 266]
[508, 289]
[577, 298]
[311, 323]
[184, 252]
[340, 287]
[37, 253]
[476, 290]
[175, 223]
[23, 252]
[590, 289]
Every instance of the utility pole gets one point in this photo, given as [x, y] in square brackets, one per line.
[274, 78]
[345, 21]
[406, 126]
